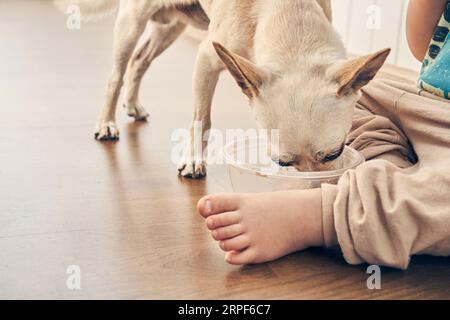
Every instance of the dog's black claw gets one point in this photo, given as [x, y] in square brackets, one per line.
[107, 138]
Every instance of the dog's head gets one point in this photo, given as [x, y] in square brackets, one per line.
[312, 109]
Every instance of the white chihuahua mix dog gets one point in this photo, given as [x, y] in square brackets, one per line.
[284, 54]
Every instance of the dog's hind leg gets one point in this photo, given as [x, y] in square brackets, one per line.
[130, 25]
[161, 37]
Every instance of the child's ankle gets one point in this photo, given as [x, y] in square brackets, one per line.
[313, 212]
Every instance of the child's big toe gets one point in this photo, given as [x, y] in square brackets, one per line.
[214, 204]
[204, 207]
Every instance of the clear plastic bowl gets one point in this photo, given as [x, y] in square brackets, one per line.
[250, 175]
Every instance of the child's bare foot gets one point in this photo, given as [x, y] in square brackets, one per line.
[256, 228]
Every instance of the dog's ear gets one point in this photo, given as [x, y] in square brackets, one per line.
[248, 76]
[354, 74]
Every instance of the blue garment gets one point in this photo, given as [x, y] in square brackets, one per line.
[435, 73]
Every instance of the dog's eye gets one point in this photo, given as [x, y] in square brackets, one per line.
[334, 155]
[285, 164]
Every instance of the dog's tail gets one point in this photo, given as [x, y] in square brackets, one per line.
[89, 9]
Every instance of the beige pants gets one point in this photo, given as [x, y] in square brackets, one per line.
[398, 203]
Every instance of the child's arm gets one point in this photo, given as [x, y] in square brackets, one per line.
[423, 17]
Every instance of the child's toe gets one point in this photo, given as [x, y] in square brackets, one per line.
[223, 220]
[218, 203]
[240, 257]
[227, 232]
[235, 244]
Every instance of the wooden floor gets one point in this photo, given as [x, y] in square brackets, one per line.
[118, 210]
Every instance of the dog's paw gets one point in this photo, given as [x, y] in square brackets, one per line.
[192, 169]
[106, 131]
[136, 111]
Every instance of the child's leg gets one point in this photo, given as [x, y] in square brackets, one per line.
[383, 214]
[255, 228]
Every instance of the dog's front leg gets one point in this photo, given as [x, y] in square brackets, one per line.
[129, 27]
[207, 70]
